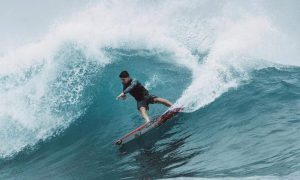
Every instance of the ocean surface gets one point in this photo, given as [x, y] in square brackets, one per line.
[227, 68]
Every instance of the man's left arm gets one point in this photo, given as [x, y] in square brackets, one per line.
[128, 89]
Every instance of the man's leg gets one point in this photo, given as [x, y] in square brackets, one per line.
[143, 112]
[163, 101]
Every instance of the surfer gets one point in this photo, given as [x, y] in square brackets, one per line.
[140, 93]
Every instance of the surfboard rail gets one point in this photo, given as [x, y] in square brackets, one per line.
[167, 115]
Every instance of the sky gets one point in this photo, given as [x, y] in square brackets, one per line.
[24, 21]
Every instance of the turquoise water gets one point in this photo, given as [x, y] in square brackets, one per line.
[59, 116]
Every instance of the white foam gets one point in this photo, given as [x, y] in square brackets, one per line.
[234, 43]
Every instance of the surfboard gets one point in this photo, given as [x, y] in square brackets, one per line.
[148, 126]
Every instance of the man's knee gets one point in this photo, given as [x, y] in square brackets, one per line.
[142, 109]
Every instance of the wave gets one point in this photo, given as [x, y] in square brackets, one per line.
[182, 52]
[29, 72]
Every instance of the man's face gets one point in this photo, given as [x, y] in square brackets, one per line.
[125, 80]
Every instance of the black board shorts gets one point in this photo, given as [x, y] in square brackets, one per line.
[148, 99]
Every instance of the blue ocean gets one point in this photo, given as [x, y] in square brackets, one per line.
[233, 66]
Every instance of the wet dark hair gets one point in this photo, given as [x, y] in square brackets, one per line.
[124, 74]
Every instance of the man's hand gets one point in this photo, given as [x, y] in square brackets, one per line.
[121, 96]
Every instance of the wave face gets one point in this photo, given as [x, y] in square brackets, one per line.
[59, 115]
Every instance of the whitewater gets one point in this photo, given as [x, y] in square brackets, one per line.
[233, 66]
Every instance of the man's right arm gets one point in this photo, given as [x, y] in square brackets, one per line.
[129, 88]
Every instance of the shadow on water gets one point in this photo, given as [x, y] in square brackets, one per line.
[151, 159]
[148, 139]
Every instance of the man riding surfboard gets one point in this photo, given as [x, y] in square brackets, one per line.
[140, 93]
